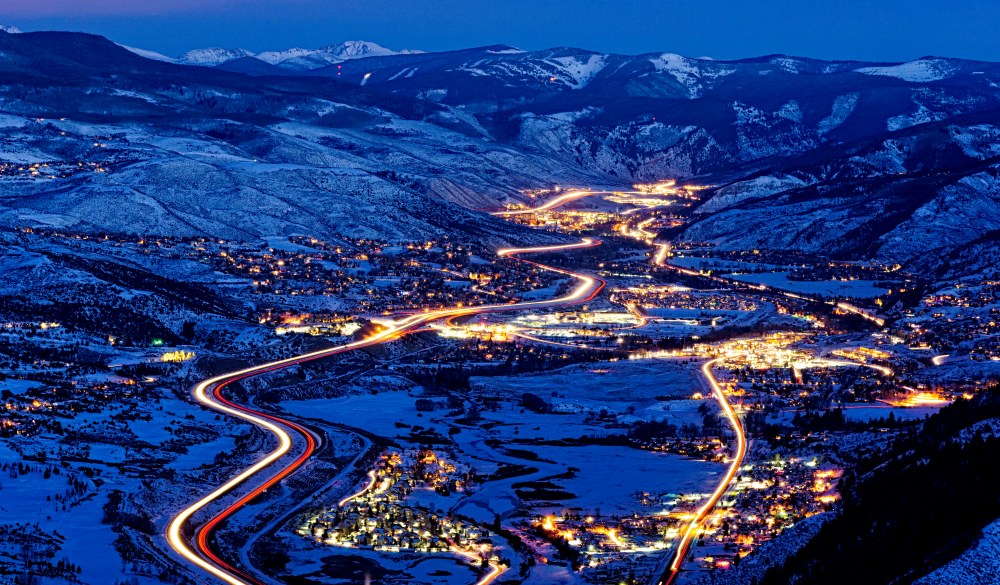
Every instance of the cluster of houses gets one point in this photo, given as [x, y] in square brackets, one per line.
[387, 517]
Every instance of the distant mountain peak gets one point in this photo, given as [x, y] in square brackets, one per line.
[296, 58]
[358, 49]
[213, 56]
[303, 59]
[9, 29]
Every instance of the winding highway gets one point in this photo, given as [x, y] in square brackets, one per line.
[274, 467]
[551, 203]
[697, 522]
[193, 540]
[667, 575]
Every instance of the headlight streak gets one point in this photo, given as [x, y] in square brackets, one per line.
[209, 393]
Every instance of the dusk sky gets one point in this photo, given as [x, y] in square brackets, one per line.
[847, 29]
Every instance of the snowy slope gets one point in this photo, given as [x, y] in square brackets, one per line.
[919, 71]
[212, 56]
[979, 564]
[580, 71]
[959, 214]
[693, 74]
[833, 157]
[382, 179]
[149, 54]
[876, 201]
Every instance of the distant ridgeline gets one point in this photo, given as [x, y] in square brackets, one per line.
[841, 158]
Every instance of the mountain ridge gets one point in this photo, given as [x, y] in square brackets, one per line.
[296, 58]
[831, 157]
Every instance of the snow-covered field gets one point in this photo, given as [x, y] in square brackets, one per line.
[867, 412]
[33, 498]
[831, 288]
[544, 448]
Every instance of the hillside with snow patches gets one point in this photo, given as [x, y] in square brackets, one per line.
[846, 158]
[898, 162]
[921, 70]
[980, 564]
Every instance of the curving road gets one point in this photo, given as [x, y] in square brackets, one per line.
[198, 551]
[550, 204]
[671, 573]
[274, 467]
[662, 250]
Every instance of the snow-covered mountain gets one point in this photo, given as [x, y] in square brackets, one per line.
[196, 150]
[296, 59]
[212, 56]
[847, 158]
[920, 70]
[305, 59]
[898, 162]
[9, 29]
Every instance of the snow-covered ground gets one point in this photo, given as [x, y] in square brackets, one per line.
[921, 70]
[979, 564]
[832, 288]
[866, 412]
[605, 479]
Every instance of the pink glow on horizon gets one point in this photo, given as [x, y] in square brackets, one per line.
[46, 8]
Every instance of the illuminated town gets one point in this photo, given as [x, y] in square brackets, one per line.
[494, 316]
[810, 381]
